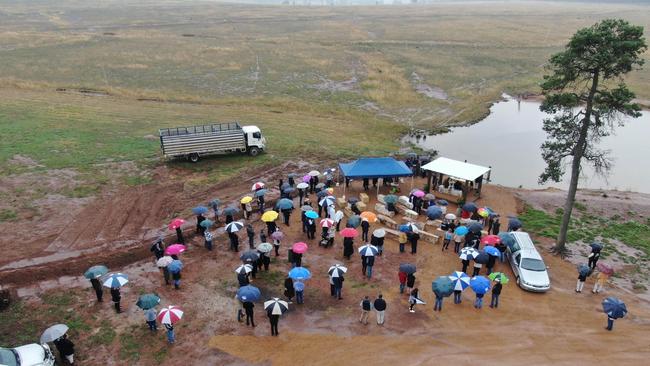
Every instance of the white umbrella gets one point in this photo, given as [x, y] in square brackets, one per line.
[164, 261]
[450, 216]
[170, 315]
[54, 332]
[326, 223]
[302, 185]
[368, 250]
[244, 269]
[116, 280]
[234, 227]
[379, 233]
[275, 306]
[337, 270]
[314, 173]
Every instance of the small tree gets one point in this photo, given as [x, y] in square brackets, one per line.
[587, 96]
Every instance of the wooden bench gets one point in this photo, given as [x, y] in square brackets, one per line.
[387, 221]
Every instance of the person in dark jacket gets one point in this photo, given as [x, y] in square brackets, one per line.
[364, 265]
[260, 203]
[610, 323]
[171, 336]
[97, 286]
[593, 257]
[496, 291]
[417, 205]
[199, 219]
[410, 282]
[271, 227]
[490, 264]
[338, 287]
[380, 307]
[413, 299]
[242, 279]
[286, 214]
[365, 226]
[297, 259]
[355, 209]
[311, 229]
[116, 297]
[370, 261]
[413, 239]
[289, 292]
[348, 248]
[65, 348]
[251, 236]
[457, 299]
[248, 308]
[366, 306]
[502, 251]
[157, 248]
[229, 219]
[166, 274]
[301, 196]
[179, 236]
[366, 184]
[378, 242]
[274, 319]
[496, 225]
[582, 277]
[280, 185]
[465, 263]
[176, 276]
[234, 242]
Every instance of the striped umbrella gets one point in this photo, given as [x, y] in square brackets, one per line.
[468, 253]
[170, 314]
[328, 200]
[326, 223]
[116, 280]
[368, 250]
[275, 306]
[460, 280]
[234, 227]
[337, 270]
[244, 269]
[256, 186]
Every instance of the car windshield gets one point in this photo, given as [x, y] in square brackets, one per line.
[7, 357]
[533, 264]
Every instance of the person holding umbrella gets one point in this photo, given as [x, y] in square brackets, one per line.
[402, 276]
[176, 225]
[289, 291]
[601, 280]
[168, 317]
[583, 272]
[365, 226]
[114, 282]
[299, 287]
[157, 248]
[277, 237]
[199, 218]
[413, 300]
[410, 282]
[413, 238]
[93, 274]
[402, 239]
[496, 291]
[377, 239]
[234, 241]
[348, 247]
[594, 255]
[248, 309]
[116, 297]
[481, 286]
[460, 281]
[65, 348]
[207, 235]
[286, 214]
[441, 287]
[274, 308]
[250, 232]
[615, 309]
[338, 286]
[150, 318]
[311, 228]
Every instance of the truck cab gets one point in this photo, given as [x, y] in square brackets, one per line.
[255, 142]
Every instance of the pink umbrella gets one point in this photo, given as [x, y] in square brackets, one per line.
[175, 249]
[175, 224]
[328, 223]
[256, 186]
[605, 268]
[418, 193]
[170, 315]
[277, 235]
[299, 247]
[490, 240]
[306, 178]
[349, 232]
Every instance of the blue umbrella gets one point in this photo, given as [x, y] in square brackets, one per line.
[285, 186]
[434, 212]
[461, 230]
[260, 192]
[408, 268]
[442, 202]
[507, 239]
[583, 269]
[299, 286]
[460, 280]
[468, 253]
[215, 203]
[597, 247]
[288, 190]
[480, 284]
[328, 200]
[470, 206]
[354, 221]
[514, 224]
[284, 204]
[475, 227]
[614, 308]
[95, 272]
[230, 211]
[206, 223]
[175, 266]
[442, 286]
[368, 250]
[248, 293]
[300, 273]
[199, 210]
[492, 251]
[116, 280]
[311, 214]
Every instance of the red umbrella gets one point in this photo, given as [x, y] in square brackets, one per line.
[490, 240]
[605, 268]
[326, 223]
[349, 232]
[175, 249]
[170, 314]
[175, 224]
[299, 247]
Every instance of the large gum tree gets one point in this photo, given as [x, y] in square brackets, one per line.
[586, 94]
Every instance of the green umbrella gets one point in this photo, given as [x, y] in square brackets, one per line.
[148, 301]
[95, 272]
[206, 223]
[502, 277]
[442, 286]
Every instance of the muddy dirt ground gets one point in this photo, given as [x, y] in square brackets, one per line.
[559, 327]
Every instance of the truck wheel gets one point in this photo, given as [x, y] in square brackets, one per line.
[253, 151]
[193, 157]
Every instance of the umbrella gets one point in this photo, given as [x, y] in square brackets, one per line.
[206, 223]
[288, 190]
[299, 286]
[306, 178]
[260, 192]
[269, 216]
[475, 227]
[164, 261]
[326, 223]
[175, 266]
[379, 233]
[337, 270]
[499, 276]
[300, 273]
[148, 301]
[314, 173]
[492, 251]
[199, 210]
[215, 202]
[284, 204]
[349, 232]
[460, 280]
[246, 199]
[409, 227]
[248, 293]
[507, 239]
[116, 280]
[265, 247]
[408, 268]
[442, 286]
[306, 208]
[170, 315]
[370, 216]
[353, 200]
[470, 206]
[311, 214]
[230, 211]
[53, 333]
[234, 227]
[249, 256]
[244, 269]
[597, 247]
[258, 185]
[490, 240]
[320, 186]
[614, 308]
[605, 268]
[482, 257]
[429, 197]
[299, 247]
[175, 249]
[95, 272]
[434, 212]
[285, 186]
[354, 221]
[450, 216]
[418, 193]
[277, 235]
[479, 284]
[368, 250]
[461, 230]
[514, 224]
[583, 269]
[275, 306]
[484, 212]
[292, 175]
[468, 253]
[302, 185]
[175, 224]
[442, 203]
[391, 198]
[328, 200]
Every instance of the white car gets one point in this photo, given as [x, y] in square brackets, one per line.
[527, 265]
[28, 355]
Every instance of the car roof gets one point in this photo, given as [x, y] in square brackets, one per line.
[530, 253]
[523, 239]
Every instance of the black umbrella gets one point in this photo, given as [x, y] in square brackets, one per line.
[475, 228]
[514, 224]
[597, 247]
[323, 193]
[229, 211]
[353, 200]
[408, 268]
[288, 190]
[249, 256]
[482, 258]
[285, 186]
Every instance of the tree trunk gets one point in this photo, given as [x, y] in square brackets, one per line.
[560, 246]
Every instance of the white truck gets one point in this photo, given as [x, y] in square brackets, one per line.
[195, 141]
